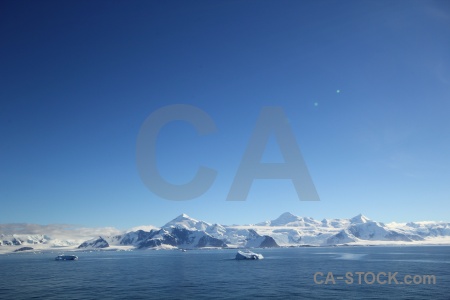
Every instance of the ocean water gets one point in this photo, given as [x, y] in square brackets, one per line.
[215, 274]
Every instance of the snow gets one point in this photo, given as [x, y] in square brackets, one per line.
[189, 233]
[184, 221]
[143, 228]
[359, 219]
[288, 219]
[248, 255]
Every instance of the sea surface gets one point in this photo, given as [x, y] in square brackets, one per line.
[286, 273]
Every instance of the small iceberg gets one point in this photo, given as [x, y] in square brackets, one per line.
[66, 257]
[248, 255]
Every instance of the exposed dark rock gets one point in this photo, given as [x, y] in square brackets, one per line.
[98, 243]
[23, 249]
[268, 242]
[209, 241]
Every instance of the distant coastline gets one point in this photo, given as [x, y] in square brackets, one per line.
[286, 231]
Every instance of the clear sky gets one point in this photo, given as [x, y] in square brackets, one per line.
[365, 85]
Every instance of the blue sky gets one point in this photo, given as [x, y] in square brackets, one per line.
[79, 78]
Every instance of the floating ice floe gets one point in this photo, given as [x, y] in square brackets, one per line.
[248, 255]
[66, 257]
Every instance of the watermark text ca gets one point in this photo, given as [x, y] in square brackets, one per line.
[271, 121]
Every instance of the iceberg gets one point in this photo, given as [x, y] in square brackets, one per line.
[66, 257]
[241, 255]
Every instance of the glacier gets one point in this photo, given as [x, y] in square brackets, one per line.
[288, 230]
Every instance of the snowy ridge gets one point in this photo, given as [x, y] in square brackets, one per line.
[33, 239]
[287, 230]
[186, 222]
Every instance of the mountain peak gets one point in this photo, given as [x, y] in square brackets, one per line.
[284, 219]
[183, 217]
[360, 219]
[287, 215]
[184, 221]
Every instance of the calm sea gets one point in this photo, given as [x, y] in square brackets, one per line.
[214, 274]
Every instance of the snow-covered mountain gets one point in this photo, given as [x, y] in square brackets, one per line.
[186, 222]
[19, 239]
[95, 243]
[287, 230]
[173, 237]
[289, 220]
[33, 239]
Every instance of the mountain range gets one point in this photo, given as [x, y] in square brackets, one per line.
[287, 230]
